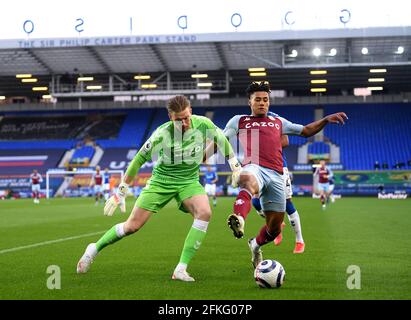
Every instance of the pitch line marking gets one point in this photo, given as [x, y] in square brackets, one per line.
[39, 244]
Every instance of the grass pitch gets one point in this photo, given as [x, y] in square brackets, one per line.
[365, 232]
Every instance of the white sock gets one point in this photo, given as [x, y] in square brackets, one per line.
[181, 267]
[296, 225]
[120, 230]
[200, 225]
[92, 250]
[254, 245]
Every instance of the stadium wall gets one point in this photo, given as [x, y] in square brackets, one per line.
[347, 183]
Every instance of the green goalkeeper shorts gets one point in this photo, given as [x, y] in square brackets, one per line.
[156, 194]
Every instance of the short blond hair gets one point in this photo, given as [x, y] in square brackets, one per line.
[178, 104]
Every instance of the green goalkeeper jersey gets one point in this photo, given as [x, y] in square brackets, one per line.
[179, 155]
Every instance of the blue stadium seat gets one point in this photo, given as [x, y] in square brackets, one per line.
[318, 147]
[83, 155]
[374, 132]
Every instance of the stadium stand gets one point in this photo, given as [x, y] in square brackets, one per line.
[318, 150]
[375, 132]
[318, 147]
[108, 129]
[48, 126]
[82, 156]
[132, 131]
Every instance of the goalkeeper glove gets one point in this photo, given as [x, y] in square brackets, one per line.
[236, 171]
[117, 199]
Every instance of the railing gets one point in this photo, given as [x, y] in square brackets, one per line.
[85, 89]
[213, 102]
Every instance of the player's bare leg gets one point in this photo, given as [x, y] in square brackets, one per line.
[248, 186]
[36, 197]
[267, 234]
[295, 222]
[199, 207]
[279, 238]
[323, 199]
[256, 253]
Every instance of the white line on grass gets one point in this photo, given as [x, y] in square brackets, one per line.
[49, 242]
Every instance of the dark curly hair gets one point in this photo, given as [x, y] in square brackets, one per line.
[257, 86]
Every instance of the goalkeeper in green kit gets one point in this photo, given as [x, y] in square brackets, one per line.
[179, 145]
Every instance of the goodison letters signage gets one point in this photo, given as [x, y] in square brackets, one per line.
[28, 19]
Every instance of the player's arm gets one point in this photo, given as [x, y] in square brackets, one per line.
[211, 148]
[215, 179]
[314, 127]
[142, 156]
[222, 143]
[229, 132]
[227, 150]
[145, 154]
[134, 167]
[284, 138]
[284, 141]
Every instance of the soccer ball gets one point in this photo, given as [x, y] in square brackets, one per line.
[269, 274]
